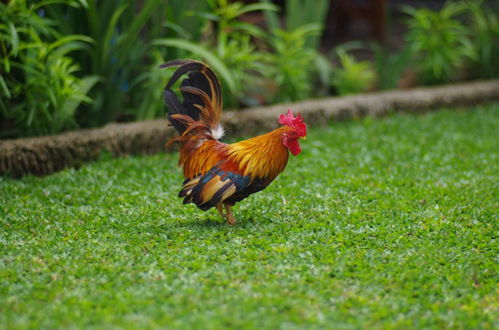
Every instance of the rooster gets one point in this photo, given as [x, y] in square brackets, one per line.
[219, 174]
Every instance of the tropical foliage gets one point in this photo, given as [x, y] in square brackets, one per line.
[440, 42]
[83, 63]
[39, 88]
[351, 76]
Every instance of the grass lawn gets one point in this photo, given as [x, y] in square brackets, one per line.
[379, 223]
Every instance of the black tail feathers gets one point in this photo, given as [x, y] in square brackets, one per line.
[200, 77]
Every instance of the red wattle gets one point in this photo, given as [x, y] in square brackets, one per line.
[294, 147]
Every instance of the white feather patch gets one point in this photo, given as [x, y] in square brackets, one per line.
[218, 132]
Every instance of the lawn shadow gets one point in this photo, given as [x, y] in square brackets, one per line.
[207, 222]
[217, 222]
[172, 228]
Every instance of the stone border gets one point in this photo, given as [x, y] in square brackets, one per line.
[48, 154]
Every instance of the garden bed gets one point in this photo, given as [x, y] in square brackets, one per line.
[48, 154]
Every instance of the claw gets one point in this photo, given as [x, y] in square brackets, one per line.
[230, 216]
[220, 211]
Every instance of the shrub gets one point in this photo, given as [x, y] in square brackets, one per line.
[291, 63]
[390, 66]
[351, 76]
[296, 67]
[228, 47]
[484, 27]
[38, 83]
[439, 41]
[122, 31]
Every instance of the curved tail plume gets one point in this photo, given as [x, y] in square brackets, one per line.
[202, 97]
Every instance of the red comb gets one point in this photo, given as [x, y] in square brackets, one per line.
[297, 122]
[287, 119]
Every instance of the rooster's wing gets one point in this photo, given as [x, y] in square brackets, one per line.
[223, 183]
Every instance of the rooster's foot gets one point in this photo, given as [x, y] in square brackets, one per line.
[230, 216]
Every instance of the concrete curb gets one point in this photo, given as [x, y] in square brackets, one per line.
[48, 154]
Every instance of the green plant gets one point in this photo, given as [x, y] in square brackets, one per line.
[228, 47]
[122, 31]
[39, 87]
[290, 63]
[294, 72]
[185, 19]
[390, 66]
[484, 27]
[246, 64]
[352, 76]
[299, 13]
[439, 41]
[150, 83]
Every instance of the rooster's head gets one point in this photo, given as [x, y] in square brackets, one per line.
[297, 130]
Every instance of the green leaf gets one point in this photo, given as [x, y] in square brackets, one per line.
[84, 86]
[129, 38]
[4, 88]
[70, 47]
[272, 18]
[324, 68]
[250, 29]
[44, 3]
[68, 39]
[111, 29]
[14, 38]
[178, 29]
[257, 6]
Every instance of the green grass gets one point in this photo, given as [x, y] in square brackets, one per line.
[379, 223]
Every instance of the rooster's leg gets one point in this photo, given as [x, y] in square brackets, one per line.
[230, 216]
[220, 211]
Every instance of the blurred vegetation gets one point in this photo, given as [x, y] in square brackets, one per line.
[390, 66]
[459, 41]
[228, 46]
[352, 76]
[440, 42]
[290, 64]
[39, 89]
[83, 63]
[121, 32]
[484, 27]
